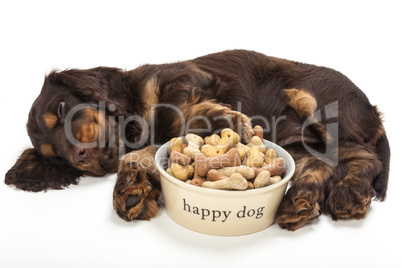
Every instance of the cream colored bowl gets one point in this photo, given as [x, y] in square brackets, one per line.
[221, 212]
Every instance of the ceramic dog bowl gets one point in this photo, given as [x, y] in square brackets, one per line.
[222, 212]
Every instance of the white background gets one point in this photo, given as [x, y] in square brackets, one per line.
[77, 227]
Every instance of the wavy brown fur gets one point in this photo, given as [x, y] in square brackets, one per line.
[277, 92]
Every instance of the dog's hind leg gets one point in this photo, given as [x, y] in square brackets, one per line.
[302, 202]
[350, 188]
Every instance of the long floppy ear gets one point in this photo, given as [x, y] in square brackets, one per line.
[101, 84]
[35, 172]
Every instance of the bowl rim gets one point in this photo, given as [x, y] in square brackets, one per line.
[231, 193]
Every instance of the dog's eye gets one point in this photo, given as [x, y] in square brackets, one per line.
[61, 111]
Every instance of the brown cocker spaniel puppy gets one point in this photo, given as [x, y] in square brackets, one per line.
[104, 120]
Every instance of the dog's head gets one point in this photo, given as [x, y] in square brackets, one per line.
[73, 128]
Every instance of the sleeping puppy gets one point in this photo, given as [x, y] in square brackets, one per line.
[105, 120]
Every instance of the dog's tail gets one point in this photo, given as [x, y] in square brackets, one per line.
[380, 183]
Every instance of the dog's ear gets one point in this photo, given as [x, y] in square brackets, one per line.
[36, 172]
[101, 84]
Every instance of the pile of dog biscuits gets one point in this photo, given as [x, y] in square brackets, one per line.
[222, 162]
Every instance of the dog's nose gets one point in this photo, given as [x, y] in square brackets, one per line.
[81, 156]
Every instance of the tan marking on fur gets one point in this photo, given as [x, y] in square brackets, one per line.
[317, 175]
[150, 97]
[50, 119]
[47, 150]
[94, 126]
[88, 133]
[300, 164]
[98, 116]
[198, 114]
[302, 101]
[206, 109]
[305, 106]
[305, 214]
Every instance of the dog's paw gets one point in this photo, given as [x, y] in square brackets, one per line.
[242, 125]
[136, 201]
[295, 219]
[297, 210]
[349, 200]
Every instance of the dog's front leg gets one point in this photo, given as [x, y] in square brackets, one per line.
[208, 117]
[137, 188]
